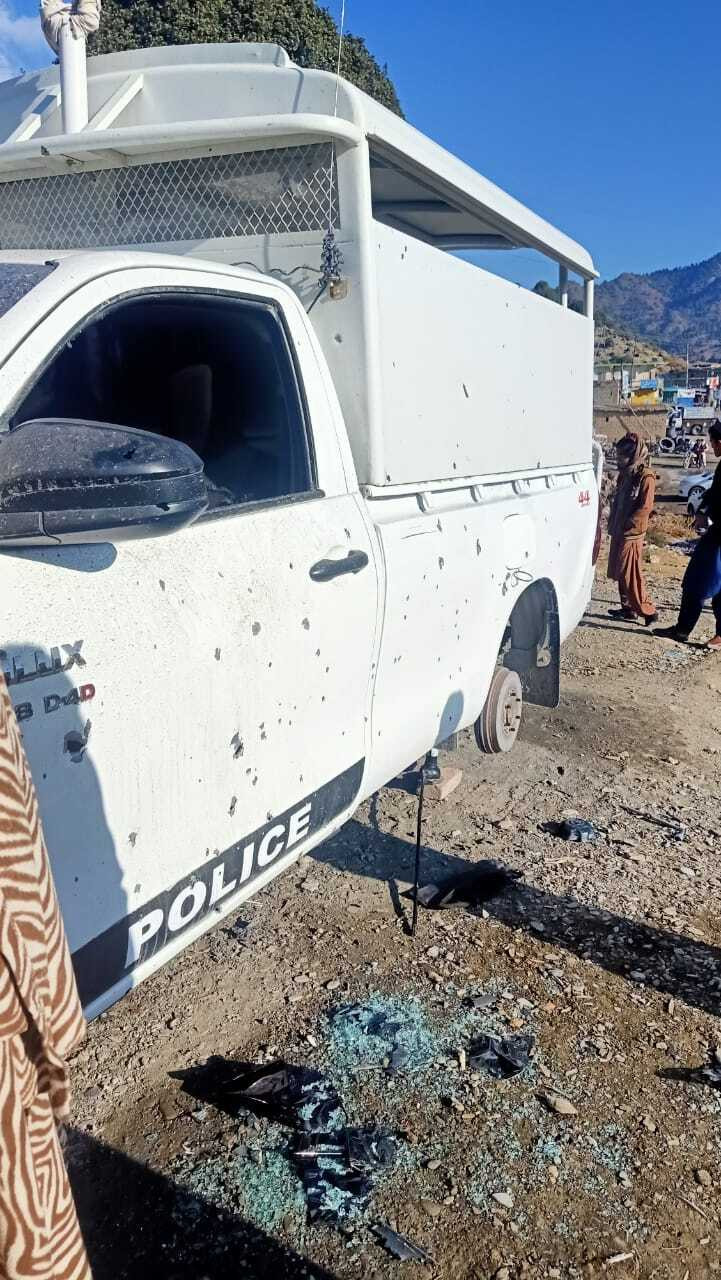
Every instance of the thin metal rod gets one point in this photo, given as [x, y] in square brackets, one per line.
[417, 869]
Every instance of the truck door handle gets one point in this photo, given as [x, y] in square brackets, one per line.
[324, 570]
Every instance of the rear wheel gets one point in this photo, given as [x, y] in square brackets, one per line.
[695, 491]
[498, 724]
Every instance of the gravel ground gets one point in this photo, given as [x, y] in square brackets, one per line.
[607, 954]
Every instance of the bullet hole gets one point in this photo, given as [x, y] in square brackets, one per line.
[256, 628]
[255, 780]
[327, 670]
[270, 665]
[132, 838]
[439, 527]
[269, 816]
[317, 653]
[162, 584]
[290, 566]
[455, 468]
[263, 736]
[388, 477]
[248, 772]
[217, 655]
[441, 562]
[347, 534]
[306, 624]
[137, 888]
[561, 770]
[301, 777]
[238, 746]
[76, 742]
[233, 805]
[478, 547]
[465, 390]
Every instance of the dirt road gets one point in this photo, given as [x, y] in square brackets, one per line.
[608, 955]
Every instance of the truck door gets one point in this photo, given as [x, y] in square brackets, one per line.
[193, 707]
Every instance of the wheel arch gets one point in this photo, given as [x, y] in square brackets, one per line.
[532, 643]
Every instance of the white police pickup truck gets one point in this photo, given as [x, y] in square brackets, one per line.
[262, 545]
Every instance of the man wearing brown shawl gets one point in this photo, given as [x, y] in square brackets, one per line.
[40, 1023]
[627, 524]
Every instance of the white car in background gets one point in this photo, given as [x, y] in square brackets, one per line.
[692, 487]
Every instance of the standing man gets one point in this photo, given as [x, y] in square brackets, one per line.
[40, 1023]
[627, 524]
[702, 579]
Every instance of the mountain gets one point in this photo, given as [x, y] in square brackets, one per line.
[671, 307]
[615, 344]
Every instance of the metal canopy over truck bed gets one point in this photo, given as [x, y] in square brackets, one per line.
[234, 153]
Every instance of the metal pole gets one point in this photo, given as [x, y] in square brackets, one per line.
[417, 868]
[73, 80]
[563, 285]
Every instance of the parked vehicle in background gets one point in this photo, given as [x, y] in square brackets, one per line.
[277, 512]
[692, 488]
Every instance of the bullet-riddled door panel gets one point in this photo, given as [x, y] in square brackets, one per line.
[193, 711]
[193, 706]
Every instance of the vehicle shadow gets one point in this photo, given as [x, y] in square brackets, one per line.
[670, 963]
[140, 1225]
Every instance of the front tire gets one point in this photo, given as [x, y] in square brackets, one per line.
[497, 726]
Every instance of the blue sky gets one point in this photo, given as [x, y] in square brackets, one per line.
[601, 116]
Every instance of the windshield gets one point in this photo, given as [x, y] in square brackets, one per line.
[18, 278]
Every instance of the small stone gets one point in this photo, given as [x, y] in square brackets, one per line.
[433, 953]
[433, 1165]
[703, 1177]
[168, 1109]
[556, 1102]
[538, 926]
[332, 984]
[311, 1040]
[432, 1208]
[506, 824]
[649, 1123]
[503, 1273]
[255, 1156]
[504, 1198]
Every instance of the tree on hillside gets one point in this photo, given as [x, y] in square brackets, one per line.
[303, 28]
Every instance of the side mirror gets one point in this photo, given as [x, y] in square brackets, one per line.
[64, 481]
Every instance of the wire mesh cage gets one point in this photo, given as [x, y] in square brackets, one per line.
[247, 193]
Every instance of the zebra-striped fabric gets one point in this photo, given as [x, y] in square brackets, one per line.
[40, 1023]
